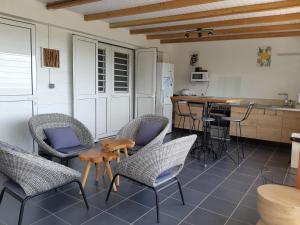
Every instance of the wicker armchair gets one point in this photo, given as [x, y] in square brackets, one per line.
[38, 123]
[154, 166]
[130, 130]
[30, 175]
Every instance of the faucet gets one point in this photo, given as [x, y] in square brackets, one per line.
[286, 98]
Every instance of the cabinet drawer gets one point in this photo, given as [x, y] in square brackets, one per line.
[291, 115]
[291, 123]
[269, 112]
[270, 121]
[250, 121]
[243, 110]
[269, 134]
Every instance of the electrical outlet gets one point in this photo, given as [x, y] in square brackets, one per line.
[51, 86]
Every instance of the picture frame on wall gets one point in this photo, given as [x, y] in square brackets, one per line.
[50, 58]
[264, 56]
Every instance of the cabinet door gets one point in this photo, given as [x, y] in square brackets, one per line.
[270, 125]
[145, 81]
[85, 78]
[17, 82]
[290, 124]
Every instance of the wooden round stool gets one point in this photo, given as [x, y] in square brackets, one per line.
[278, 205]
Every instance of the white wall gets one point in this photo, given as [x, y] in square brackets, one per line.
[233, 70]
[54, 29]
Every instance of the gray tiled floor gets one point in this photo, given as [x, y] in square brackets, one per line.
[221, 194]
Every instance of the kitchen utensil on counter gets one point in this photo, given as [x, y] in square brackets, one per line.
[186, 92]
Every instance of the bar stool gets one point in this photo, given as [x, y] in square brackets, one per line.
[183, 115]
[206, 146]
[238, 130]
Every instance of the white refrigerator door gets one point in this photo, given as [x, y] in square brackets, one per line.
[167, 89]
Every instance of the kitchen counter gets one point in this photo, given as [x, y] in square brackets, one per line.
[204, 99]
[270, 104]
[269, 120]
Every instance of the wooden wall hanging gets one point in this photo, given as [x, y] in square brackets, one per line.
[51, 58]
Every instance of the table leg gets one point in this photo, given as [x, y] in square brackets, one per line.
[109, 172]
[86, 173]
[97, 171]
[118, 161]
[126, 153]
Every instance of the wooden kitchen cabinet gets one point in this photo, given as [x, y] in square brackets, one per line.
[249, 126]
[290, 124]
[263, 124]
[269, 125]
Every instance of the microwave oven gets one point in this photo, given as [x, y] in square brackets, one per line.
[199, 76]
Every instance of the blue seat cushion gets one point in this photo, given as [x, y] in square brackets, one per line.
[61, 137]
[167, 174]
[75, 149]
[147, 131]
[134, 150]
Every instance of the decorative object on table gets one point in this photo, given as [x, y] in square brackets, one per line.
[38, 123]
[194, 59]
[264, 56]
[50, 58]
[278, 205]
[30, 176]
[129, 131]
[156, 167]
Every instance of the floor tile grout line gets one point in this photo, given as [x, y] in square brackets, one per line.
[248, 190]
[216, 188]
[202, 172]
[106, 210]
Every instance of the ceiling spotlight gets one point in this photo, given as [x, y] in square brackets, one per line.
[210, 33]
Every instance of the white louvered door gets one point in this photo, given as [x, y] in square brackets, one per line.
[17, 82]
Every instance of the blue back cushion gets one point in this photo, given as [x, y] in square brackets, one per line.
[61, 137]
[147, 131]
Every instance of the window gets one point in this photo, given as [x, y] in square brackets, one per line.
[101, 70]
[121, 72]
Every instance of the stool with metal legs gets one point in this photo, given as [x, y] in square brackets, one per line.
[181, 114]
[238, 130]
[206, 146]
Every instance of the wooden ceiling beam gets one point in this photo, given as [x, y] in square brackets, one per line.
[209, 13]
[68, 3]
[233, 37]
[222, 23]
[175, 4]
[255, 29]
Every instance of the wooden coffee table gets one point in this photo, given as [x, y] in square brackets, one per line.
[111, 151]
[96, 156]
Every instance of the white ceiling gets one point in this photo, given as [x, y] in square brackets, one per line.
[107, 5]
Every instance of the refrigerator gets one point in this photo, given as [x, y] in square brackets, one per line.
[164, 91]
